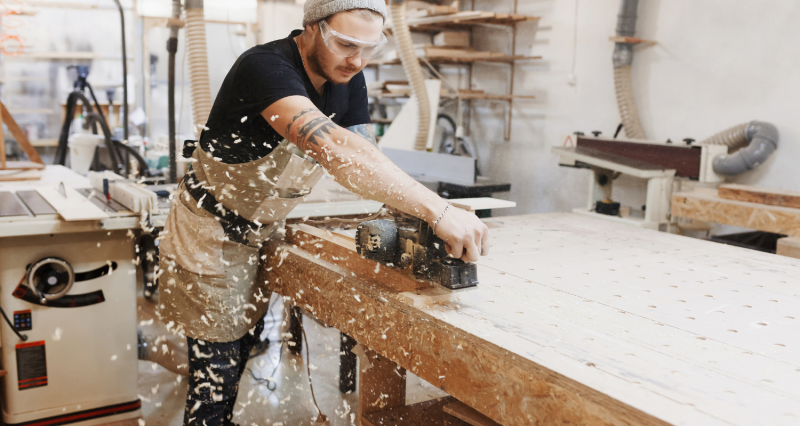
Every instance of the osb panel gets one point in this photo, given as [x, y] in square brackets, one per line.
[704, 204]
[754, 194]
[507, 388]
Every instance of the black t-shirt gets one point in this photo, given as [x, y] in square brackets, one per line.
[264, 74]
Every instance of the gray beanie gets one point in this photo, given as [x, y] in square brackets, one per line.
[314, 10]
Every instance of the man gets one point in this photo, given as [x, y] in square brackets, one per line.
[285, 109]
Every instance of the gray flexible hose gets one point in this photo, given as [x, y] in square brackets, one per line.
[405, 49]
[623, 60]
[760, 138]
[629, 114]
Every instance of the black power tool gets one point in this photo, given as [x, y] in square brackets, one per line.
[407, 241]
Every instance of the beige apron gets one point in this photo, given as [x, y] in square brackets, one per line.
[208, 287]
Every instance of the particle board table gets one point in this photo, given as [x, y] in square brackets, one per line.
[575, 321]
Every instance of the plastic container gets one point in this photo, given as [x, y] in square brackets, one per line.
[81, 151]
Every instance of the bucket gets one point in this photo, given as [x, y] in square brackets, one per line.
[81, 150]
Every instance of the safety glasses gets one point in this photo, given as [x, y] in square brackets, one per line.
[343, 45]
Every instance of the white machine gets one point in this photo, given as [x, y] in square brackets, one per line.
[68, 287]
[662, 165]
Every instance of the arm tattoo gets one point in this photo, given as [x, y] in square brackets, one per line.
[310, 127]
[365, 131]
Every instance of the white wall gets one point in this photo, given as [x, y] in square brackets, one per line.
[717, 63]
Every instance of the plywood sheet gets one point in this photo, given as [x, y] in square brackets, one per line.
[705, 204]
[583, 321]
[754, 194]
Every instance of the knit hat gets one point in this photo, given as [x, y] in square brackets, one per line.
[314, 10]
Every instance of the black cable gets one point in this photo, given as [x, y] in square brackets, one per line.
[124, 72]
[21, 336]
[63, 138]
[619, 129]
[261, 380]
[172, 48]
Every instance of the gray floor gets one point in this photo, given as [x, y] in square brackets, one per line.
[163, 393]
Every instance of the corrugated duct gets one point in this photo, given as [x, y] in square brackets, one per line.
[405, 49]
[198, 63]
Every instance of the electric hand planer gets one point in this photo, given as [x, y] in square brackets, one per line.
[408, 241]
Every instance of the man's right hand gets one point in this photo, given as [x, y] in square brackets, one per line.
[466, 236]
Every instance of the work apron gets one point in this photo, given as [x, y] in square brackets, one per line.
[221, 215]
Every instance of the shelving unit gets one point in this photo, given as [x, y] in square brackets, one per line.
[466, 21]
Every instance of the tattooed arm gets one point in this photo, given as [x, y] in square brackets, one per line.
[358, 165]
[365, 131]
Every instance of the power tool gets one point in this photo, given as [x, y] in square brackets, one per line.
[406, 242]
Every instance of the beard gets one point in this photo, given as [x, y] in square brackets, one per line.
[315, 61]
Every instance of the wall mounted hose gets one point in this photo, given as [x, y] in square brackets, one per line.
[198, 63]
[405, 49]
[761, 138]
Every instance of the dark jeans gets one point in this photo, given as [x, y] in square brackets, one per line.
[215, 369]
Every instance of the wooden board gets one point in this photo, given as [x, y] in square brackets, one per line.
[582, 321]
[789, 246]
[481, 203]
[754, 194]
[705, 204]
[20, 174]
[468, 414]
[73, 207]
[19, 135]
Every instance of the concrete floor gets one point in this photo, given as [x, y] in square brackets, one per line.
[163, 393]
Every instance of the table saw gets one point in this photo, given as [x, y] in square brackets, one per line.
[575, 321]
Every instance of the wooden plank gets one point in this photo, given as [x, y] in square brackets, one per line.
[426, 413]
[73, 207]
[21, 174]
[19, 135]
[705, 204]
[583, 321]
[754, 194]
[789, 246]
[381, 384]
[23, 165]
[481, 203]
[468, 414]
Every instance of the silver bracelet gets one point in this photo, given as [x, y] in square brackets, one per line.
[436, 222]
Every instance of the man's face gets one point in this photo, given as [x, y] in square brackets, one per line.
[335, 68]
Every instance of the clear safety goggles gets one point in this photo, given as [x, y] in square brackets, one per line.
[343, 45]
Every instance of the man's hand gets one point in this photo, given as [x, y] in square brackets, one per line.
[466, 236]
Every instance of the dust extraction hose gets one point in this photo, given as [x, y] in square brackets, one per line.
[198, 63]
[623, 60]
[757, 140]
[405, 49]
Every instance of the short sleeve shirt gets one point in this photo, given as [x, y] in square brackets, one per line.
[238, 133]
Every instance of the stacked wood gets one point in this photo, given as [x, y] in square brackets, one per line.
[451, 39]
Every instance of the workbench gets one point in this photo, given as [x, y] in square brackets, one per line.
[575, 321]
